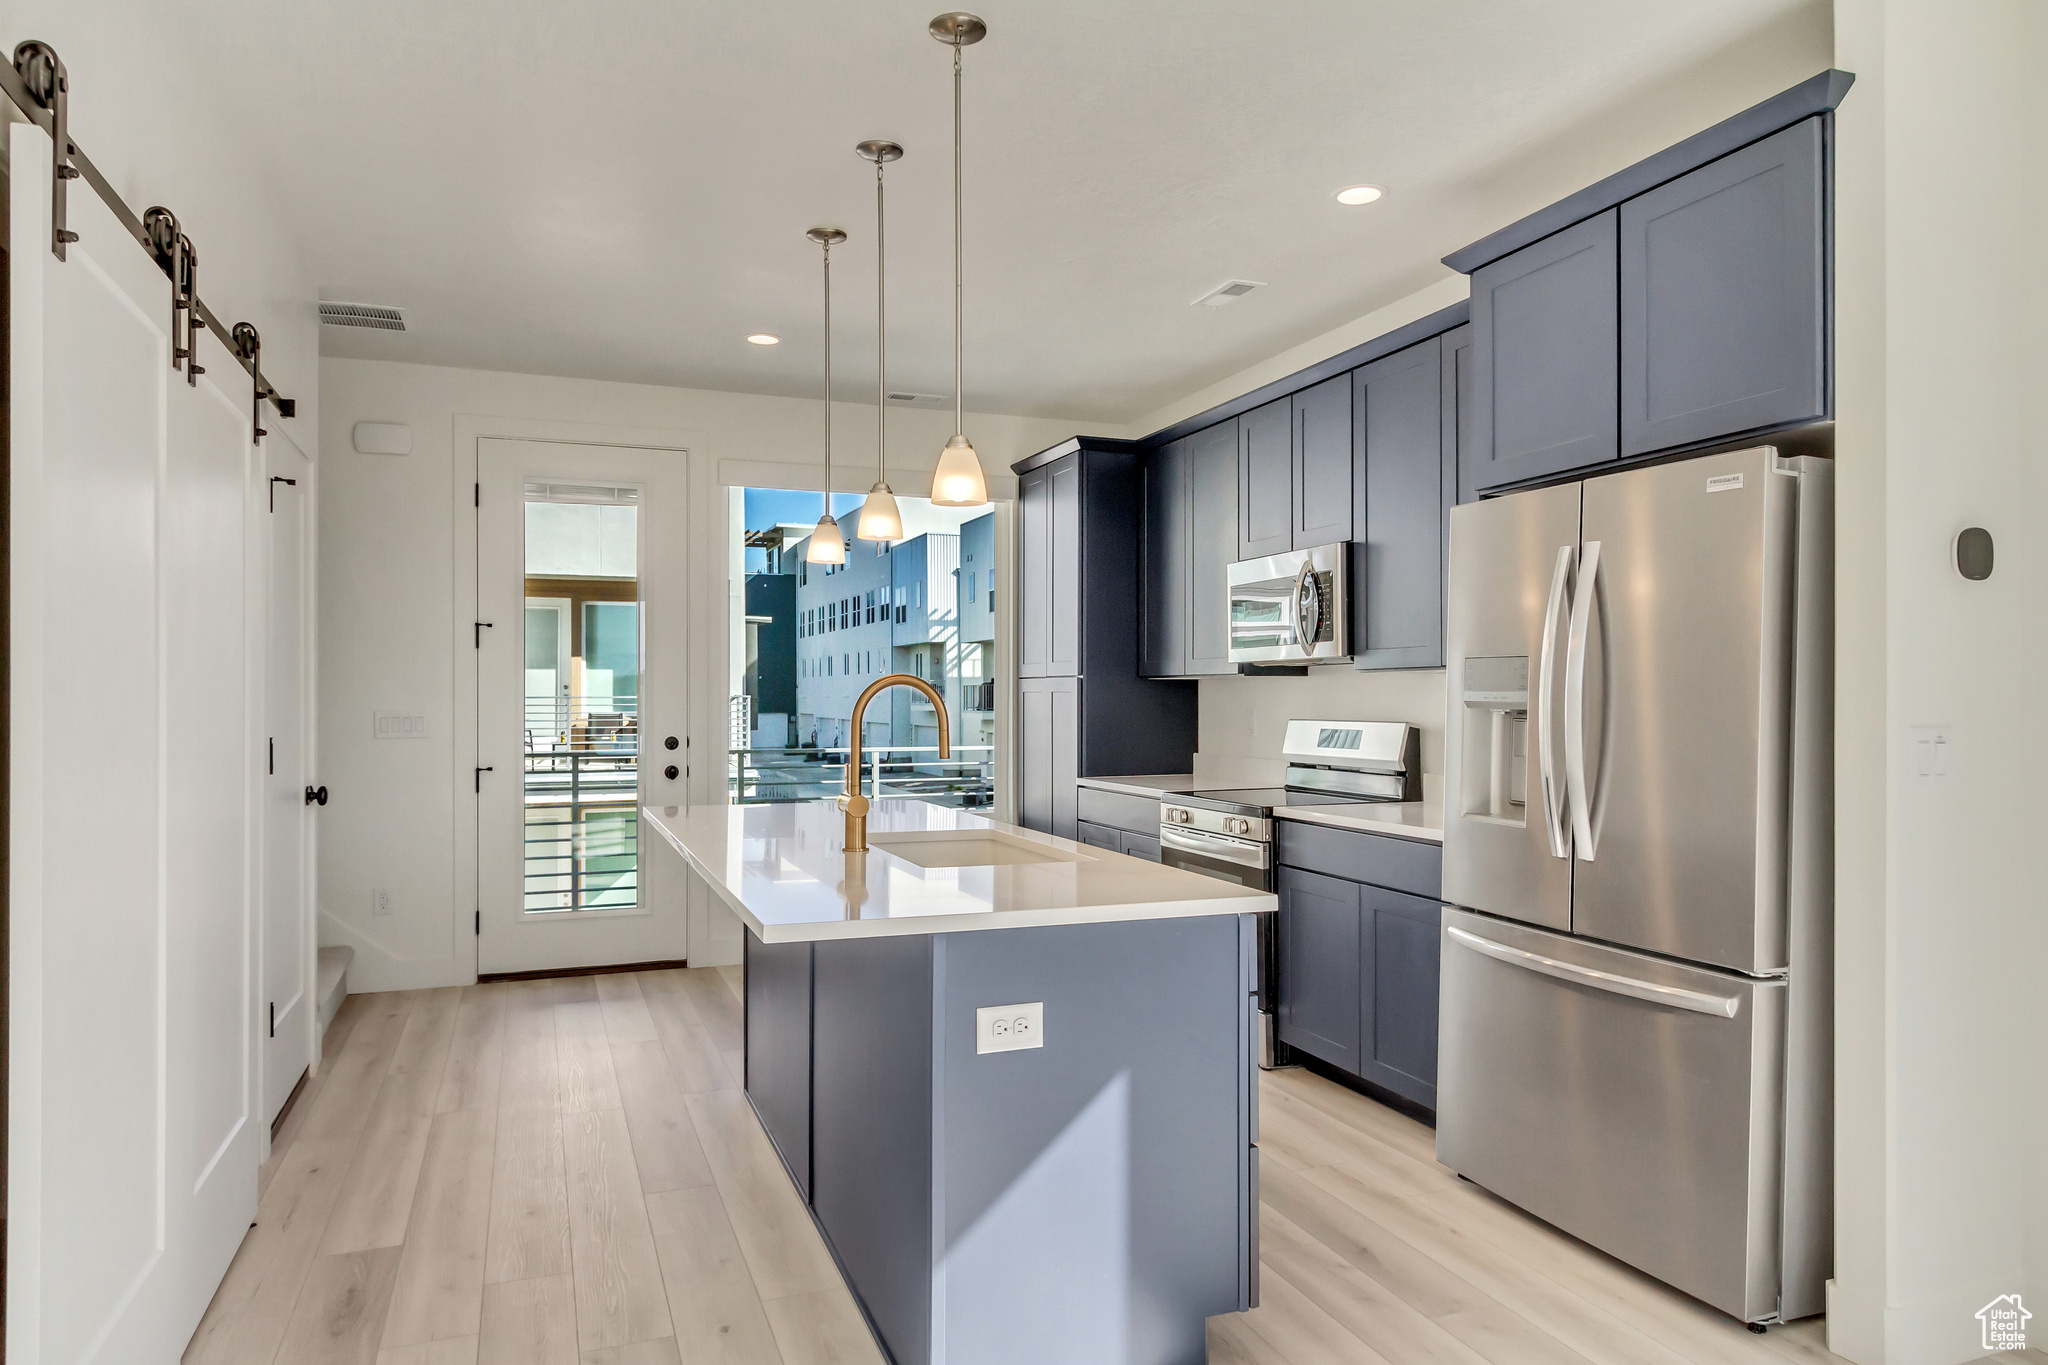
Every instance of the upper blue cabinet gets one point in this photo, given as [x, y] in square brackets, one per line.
[1677, 304]
[1723, 297]
[1545, 322]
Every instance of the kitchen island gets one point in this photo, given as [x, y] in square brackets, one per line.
[1011, 1076]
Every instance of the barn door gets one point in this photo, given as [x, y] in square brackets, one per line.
[133, 1134]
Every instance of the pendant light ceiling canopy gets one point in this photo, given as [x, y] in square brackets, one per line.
[958, 480]
[879, 517]
[828, 545]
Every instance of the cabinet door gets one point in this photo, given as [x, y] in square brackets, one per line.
[1319, 966]
[1212, 543]
[1034, 576]
[1322, 464]
[1265, 480]
[1048, 754]
[1140, 846]
[1723, 297]
[1546, 324]
[1461, 465]
[1397, 578]
[1163, 636]
[1063, 658]
[1098, 836]
[778, 1048]
[1398, 954]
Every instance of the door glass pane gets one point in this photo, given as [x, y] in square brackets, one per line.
[582, 778]
[807, 643]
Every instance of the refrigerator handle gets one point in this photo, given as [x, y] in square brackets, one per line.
[1554, 816]
[1699, 1002]
[1576, 788]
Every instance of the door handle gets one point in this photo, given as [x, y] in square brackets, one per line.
[1678, 997]
[1555, 820]
[316, 796]
[1306, 626]
[1584, 603]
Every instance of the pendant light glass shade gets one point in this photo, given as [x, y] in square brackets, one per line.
[879, 519]
[827, 545]
[958, 482]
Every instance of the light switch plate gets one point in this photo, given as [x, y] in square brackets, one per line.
[398, 725]
[1009, 1028]
[380, 901]
[1930, 752]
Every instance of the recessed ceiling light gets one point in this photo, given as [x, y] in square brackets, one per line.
[1359, 194]
[765, 339]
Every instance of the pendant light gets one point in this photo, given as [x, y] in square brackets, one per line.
[879, 519]
[958, 481]
[827, 545]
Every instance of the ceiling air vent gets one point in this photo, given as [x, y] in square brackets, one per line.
[918, 400]
[375, 316]
[1230, 291]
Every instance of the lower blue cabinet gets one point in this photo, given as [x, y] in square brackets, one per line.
[1358, 979]
[1319, 1001]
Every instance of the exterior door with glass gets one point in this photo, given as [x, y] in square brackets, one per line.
[581, 702]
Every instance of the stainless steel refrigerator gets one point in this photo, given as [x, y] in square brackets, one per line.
[1635, 1009]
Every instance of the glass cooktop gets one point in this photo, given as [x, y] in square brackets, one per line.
[1265, 800]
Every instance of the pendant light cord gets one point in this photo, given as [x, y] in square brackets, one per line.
[881, 345]
[828, 378]
[959, 269]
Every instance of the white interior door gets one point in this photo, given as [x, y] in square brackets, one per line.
[287, 983]
[133, 1131]
[567, 876]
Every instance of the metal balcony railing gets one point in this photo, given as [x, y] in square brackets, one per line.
[758, 776]
[582, 790]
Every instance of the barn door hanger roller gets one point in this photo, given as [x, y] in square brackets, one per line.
[37, 84]
[47, 83]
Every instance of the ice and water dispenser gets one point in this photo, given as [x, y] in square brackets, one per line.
[1496, 738]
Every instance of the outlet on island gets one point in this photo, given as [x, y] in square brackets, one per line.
[1009, 1028]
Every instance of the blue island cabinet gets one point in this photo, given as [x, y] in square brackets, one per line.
[1090, 1199]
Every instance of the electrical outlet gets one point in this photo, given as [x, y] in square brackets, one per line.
[380, 901]
[1009, 1028]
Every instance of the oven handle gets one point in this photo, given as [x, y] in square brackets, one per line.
[1216, 846]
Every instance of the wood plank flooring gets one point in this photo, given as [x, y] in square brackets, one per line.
[565, 1172]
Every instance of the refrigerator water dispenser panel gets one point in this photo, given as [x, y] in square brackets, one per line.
[1496, 721]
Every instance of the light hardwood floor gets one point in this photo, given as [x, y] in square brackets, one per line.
[565, 1172]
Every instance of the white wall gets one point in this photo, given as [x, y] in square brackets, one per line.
[397, 595]
[1942, 1053]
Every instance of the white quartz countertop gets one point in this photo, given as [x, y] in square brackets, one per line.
[1154, 784]
[784, 870]
[1422, 820]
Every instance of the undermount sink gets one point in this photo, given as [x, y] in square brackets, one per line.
[969, 848]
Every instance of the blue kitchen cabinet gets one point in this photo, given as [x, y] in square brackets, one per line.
[1724, 297]
[1400, 499]
[1319, 966]
[1359, 960]
[1546, 372]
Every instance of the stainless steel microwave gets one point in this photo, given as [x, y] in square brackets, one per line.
[1291, 608]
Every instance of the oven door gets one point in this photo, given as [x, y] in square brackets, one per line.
[1244, 861]
[1291, 608]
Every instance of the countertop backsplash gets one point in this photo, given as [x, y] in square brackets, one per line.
[1244, 720]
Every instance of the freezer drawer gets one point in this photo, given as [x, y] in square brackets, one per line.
[1633, 1102]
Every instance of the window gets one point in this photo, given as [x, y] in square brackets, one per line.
[871, 608]
[970, 585]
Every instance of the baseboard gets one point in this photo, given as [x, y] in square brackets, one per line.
[608, 969]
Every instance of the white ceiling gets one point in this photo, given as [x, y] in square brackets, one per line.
[620, 191]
